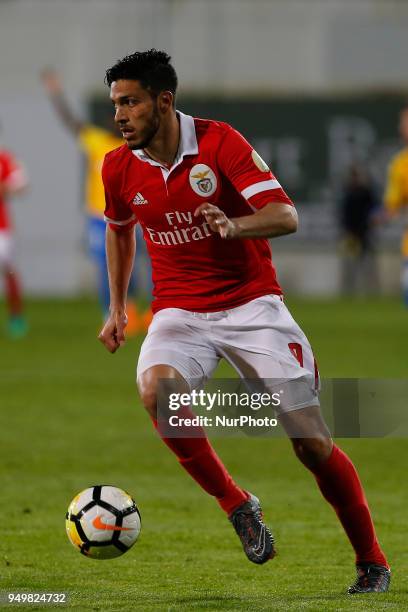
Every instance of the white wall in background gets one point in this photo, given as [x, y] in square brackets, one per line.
[227, 45]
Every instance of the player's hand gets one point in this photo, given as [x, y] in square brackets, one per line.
[112, 335]
[51, 81]
[217, 220]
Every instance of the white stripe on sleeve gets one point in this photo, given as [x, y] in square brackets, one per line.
[259, 187]
[119, 222]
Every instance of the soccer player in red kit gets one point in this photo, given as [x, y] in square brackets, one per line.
[13, 180]
[207, 204]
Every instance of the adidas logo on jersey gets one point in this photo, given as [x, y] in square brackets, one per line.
[138, 200]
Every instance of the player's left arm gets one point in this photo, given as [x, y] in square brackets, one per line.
[274, 219]
[274, 214]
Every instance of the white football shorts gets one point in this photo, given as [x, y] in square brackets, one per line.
[260, 339]
[6, 248]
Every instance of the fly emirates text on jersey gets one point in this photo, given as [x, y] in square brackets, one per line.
[179, 235]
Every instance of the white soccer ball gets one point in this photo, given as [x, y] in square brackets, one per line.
[103, 522]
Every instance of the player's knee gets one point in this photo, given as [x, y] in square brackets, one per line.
[151, 385]
[312, 451]
[147, 386]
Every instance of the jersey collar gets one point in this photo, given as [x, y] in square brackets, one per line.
[188, 143]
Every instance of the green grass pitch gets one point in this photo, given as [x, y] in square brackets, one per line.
[70, 417]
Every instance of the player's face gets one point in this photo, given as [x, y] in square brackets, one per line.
[404, 125]
[136, 113]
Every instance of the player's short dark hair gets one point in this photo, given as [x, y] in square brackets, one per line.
[152, 68]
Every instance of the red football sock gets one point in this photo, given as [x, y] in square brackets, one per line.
[199, 459]
[340, 485]
[13, 293]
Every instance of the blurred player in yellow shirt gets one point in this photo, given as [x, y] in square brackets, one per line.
[396, 194]
[95, 142]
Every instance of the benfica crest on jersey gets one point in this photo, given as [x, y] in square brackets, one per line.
[204, 184]
[203, 180]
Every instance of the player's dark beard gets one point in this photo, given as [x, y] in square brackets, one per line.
[149, 131]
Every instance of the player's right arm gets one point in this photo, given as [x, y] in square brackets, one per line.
[120, 254]
[53, 87]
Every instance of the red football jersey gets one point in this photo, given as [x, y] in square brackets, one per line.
[193, 267]
[11, 175]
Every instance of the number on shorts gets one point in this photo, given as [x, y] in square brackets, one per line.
[317, 375]
[296, 350]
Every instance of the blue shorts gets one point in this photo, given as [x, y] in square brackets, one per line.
[96, 228]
